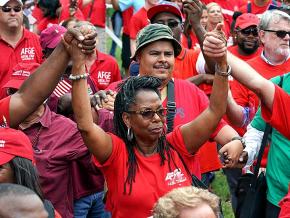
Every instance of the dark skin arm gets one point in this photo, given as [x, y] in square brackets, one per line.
[193, 9]
[40, 84]
[196, 132]
[201, 78]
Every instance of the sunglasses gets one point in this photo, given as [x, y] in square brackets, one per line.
[171, 24]
[7, 9]
[280, 33]
[149, 114]
[247, 32]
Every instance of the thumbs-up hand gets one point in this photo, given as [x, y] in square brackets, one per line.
[215, 45]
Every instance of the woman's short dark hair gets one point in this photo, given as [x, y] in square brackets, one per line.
[51, 7]
[26, 175]
[124, 99]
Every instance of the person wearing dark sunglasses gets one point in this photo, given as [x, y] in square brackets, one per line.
[246, 36]
[17, 44]
[143, 155]
[273, 27]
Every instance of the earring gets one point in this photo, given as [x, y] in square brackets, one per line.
[165, 128]
[129, 134]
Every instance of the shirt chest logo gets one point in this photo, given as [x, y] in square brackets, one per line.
[175, 177]
[27, 54]
[2, 143]
[104, 77]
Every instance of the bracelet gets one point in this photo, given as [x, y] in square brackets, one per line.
[78, 77]
[222, 73]
[241, 139]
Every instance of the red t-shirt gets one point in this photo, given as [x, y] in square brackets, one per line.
[234, 51]
[4, 111]
[247, 98]
[185, 64]
[285, 206]
[190, 102]
[279, 118]
[127, 15]
[138, 21]
[45, 21]
[27, 50]
[194, 41]
[98, 14]
[104, 71]
[255, 9]
[152, 180]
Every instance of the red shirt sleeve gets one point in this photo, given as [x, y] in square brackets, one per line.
[4, 111]
[279, 118]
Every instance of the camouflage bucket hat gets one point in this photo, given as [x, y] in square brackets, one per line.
[155, 32]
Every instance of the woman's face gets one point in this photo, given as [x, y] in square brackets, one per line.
[146, 128]
[204, 18]
[215, 15]
[6, 173]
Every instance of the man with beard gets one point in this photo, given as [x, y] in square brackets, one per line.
[246, 35]
[274, 28]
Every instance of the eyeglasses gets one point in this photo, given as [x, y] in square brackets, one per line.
[247, 32]
[170, 24]
[7, 9]
[149, 114]
[280, 33]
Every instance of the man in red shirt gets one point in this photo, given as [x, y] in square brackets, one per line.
[273, 61]
[16, 43]
[39, 86]
[61, 157]
[138, 21]
[246, 33]
[258, 6]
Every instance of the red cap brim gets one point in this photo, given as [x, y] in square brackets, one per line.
[5, 158]
[14, 83]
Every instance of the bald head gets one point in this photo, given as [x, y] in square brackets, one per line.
[18, 201]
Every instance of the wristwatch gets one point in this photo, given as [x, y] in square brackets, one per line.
[241, 139]
[223, 73]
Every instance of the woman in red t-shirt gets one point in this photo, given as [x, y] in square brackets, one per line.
[141, 162]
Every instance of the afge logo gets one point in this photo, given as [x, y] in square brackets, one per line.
[175, 177]
[104, 78]
[2, 143]
[27, 54]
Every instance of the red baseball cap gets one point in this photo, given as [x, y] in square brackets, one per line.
[51, 36]
[245, 20]
[14, 143]
[20, 73]
[165, 6]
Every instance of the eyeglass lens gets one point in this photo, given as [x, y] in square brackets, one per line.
[247, 32]
[150, 113]
[279, 33]
[7, 9]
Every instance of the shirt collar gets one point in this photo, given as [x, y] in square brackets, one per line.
[268, 62]
[44, 120]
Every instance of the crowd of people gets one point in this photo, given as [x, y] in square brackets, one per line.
[81, 136]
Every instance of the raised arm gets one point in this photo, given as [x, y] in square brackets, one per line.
[196, 132]
[97, 141]
[193, 9]
[40, 84]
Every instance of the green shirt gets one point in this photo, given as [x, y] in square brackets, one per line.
[278, 164]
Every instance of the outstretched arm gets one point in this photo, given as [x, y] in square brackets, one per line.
[196, 132]
[97, 141]
[36, 89]
[247, 76]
